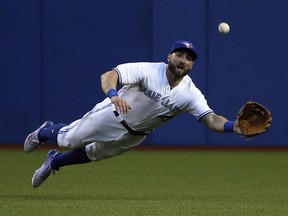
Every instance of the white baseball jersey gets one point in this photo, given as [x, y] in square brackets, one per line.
[147, 91]
[152, 101]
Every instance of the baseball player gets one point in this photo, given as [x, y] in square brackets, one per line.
[151, 95]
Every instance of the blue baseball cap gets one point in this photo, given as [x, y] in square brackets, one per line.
[182, 44]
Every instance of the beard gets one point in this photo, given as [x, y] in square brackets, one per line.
[177, 70]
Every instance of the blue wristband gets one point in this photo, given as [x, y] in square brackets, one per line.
[228, 126]
[111, 93]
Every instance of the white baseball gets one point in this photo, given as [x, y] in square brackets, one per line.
[224, 28]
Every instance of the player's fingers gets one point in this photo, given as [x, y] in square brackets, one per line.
[125, 108]
[122, 107]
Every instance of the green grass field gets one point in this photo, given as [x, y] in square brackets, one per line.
[150, 183]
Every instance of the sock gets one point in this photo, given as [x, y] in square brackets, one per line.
[76, 156]
[50, 133]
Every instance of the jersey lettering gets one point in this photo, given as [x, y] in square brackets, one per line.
[171, 106]
[157, 97]
[151, 94]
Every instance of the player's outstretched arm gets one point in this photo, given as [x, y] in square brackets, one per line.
[216, 123]
[109, 82]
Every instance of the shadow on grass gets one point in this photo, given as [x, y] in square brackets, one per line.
[84, 197]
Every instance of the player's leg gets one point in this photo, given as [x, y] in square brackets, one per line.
[45, 132]
[100, 124]
[50, 133]
[98, 150]
[54, 160]
[93, 152]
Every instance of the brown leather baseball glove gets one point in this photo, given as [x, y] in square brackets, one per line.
[254, 119]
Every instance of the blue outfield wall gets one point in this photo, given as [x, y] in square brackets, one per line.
[52, 54]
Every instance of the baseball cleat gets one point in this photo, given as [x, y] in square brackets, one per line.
[45, 170]
[32, 140]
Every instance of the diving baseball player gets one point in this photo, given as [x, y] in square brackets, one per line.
[151, 94]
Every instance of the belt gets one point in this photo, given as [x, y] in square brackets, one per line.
[130, 130]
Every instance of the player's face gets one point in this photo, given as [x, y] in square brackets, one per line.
[180, 63]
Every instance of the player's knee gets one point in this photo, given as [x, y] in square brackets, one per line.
[71, 141]
[98, 151]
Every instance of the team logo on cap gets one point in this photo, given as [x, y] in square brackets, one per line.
[188, 45]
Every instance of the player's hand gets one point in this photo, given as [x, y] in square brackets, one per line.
[120, 105]
[237, 127]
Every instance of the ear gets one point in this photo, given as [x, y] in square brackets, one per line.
[168, 58]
